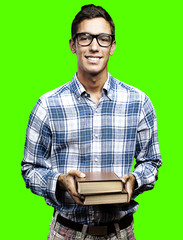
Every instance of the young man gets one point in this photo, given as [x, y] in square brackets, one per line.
[93, 123]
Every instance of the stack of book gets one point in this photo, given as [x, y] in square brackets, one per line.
[101, 188]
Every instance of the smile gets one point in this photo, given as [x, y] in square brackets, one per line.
[94, 59]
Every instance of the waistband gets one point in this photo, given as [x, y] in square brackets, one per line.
[101, 229]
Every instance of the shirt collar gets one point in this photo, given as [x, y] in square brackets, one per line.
[79, 88]
[108, 88]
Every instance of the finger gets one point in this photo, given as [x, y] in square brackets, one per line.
[76, 173]
[74, 194]
[77, 200]
[72, 187]
[127, 185]
[129, 190]
[125, 178]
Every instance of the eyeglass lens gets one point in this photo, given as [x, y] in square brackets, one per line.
[86, 39]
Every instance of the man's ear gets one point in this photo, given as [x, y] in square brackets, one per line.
[113, 47]
[72, 45]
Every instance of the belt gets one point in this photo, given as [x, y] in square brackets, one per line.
[96, 230]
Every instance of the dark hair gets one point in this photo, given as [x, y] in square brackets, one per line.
[89, 12]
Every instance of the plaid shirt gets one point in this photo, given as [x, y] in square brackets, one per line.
[67, 130]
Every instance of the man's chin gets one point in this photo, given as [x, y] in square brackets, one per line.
[96, 72]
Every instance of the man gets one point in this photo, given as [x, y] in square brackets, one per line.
[93, 123]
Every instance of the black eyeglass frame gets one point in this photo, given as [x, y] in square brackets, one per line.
[75, 36]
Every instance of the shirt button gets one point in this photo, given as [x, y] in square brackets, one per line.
[79, 98]
[86, 95]
[96, 135]
[96, 110]
[96, 159]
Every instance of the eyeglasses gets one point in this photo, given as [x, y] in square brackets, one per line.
[85, 39]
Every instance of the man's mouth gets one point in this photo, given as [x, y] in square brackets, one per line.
[93, 59]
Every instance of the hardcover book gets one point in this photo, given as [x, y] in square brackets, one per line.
[99, 183]
[109, 198]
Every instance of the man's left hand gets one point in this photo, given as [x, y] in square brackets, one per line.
[129, 181]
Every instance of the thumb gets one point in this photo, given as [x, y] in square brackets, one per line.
[125, 178]
[77, 173]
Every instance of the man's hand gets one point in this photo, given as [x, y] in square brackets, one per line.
[67, 182]
[129, 181]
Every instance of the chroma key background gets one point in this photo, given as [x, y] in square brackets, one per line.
[35, 58]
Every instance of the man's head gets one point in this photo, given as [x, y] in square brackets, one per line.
[89, 12]
[92, 40]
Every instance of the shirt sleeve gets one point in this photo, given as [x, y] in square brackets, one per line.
[147, 154]
[36, 165]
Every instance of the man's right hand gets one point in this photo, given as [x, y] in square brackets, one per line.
[67, 182]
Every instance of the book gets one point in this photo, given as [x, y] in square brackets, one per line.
[99, 183]
[109, 198]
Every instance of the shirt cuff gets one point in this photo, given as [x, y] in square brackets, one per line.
[51, 187]
[138, 180]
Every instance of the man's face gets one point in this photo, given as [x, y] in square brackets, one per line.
[93, 59]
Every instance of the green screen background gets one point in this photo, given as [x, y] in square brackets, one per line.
[35, 58]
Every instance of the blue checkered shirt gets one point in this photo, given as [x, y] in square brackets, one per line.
[67, 130]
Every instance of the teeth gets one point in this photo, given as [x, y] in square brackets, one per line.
[93, 58]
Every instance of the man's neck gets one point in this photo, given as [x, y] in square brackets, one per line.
[93, 84]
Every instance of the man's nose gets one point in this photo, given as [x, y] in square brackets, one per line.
[94, 45]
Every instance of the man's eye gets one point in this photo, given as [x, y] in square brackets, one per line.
[83, 38]
[105, 39]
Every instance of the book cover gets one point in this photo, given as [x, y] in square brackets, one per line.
[98, 183]
[109, 198]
